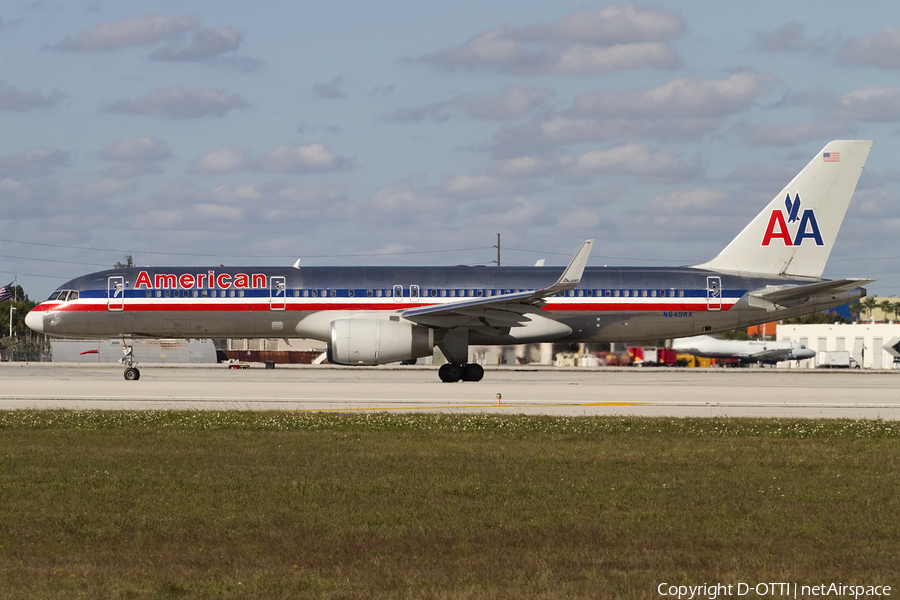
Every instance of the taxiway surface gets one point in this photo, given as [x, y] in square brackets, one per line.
[542, 390]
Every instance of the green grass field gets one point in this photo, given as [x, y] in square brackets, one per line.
[110, 505]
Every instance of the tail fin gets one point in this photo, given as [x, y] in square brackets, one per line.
[795, 233]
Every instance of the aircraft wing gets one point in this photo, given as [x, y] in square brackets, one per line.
[774, 296]
[505, 310]
[773, 355]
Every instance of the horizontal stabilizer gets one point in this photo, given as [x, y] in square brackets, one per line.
[788, 295]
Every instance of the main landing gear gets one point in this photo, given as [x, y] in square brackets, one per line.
[131, 371]
[452, 372]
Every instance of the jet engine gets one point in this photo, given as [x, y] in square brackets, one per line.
[377, 342]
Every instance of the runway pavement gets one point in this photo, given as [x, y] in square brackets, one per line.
[540, 390]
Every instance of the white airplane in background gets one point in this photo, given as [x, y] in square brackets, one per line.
[378, 315]
[744, 350]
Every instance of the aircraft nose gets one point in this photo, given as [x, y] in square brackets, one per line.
[35, 320]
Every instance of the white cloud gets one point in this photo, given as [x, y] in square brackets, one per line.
[784, 135]
[331, 89]
[478, 186]
[14, 100]
[679, 98]
[616, 24]
[628, 160]
[37, 162]
[134, 31]
[314, 158]
[510, 103]
[100, 189]
[142, 148]
[878, 104]
[206, 44]
[585, 42]
[187, 41]
[788, 38]
[224, 160]
[181, 103]
[880, 49]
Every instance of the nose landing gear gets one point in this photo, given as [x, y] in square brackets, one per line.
[131, 371]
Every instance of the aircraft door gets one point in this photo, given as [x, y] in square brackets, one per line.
[714, 293]
[115, 293]
[277, 293]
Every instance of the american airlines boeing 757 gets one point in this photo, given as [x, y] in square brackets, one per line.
[378, 315]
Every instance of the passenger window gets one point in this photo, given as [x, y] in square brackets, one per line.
[681, 293]
[351, 293]
[625, 293]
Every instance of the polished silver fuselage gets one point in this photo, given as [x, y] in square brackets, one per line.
[610, 304]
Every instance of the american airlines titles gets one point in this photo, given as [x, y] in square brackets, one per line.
[209, 279]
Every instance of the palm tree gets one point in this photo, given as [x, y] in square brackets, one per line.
[855, 308]
[887, 307]
[868, 304]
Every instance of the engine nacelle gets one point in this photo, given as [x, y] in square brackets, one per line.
[377, 342]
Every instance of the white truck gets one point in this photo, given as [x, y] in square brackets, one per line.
[836, 359]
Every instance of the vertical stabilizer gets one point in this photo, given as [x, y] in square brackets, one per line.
[795, 233]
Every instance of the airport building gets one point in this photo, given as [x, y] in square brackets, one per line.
[869, 345]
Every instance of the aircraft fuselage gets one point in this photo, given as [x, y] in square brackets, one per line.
[611, 304]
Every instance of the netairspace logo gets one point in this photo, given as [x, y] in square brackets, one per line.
[772, 590]
[778, 229]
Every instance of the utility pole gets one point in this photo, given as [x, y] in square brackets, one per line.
[498, 250]
[11, 309]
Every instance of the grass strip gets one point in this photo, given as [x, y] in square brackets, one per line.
[170, 504]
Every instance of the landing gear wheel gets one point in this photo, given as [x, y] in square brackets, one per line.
[450, 373]
[473, 372]
[132, 374]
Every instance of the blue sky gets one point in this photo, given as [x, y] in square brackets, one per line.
[347, 132]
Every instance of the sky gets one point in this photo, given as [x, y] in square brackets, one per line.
[412, 133]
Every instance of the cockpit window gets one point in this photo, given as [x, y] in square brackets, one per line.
[64, 295]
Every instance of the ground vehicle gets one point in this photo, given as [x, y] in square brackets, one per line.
[836, 359]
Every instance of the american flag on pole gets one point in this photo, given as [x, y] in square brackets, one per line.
[831, 156]
[6, 291]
